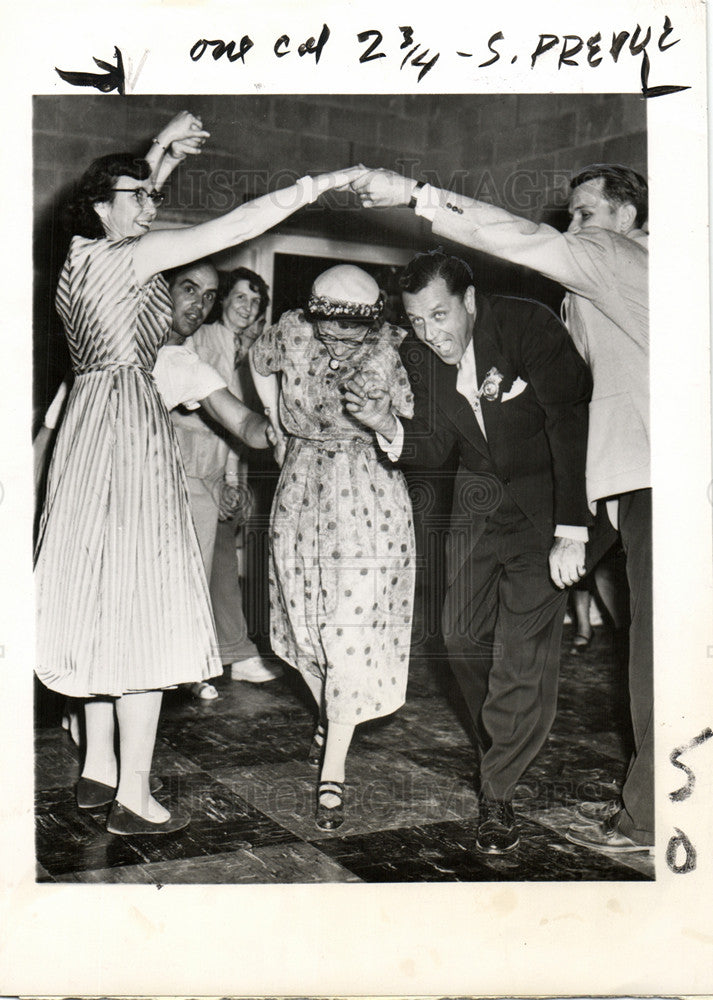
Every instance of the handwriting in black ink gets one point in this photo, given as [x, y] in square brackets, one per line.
[680, 840]
[572, 45]
[221, 48]
[667, 30]
[690, 860]
[418, 60]
[315, 47]
[497, 37]
[566, 56]
[407, 31]
[371, 52]
[617, 44]
[283, 40]
[112, 79]
[639, 48]
[661, 90]
[686, 790]
[593, 49]
[416, 56]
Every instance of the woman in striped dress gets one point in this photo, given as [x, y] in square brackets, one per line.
[122, 600]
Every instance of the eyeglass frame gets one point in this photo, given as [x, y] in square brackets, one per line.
[157, 197]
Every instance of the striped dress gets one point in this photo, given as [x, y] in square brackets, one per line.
[122, 600]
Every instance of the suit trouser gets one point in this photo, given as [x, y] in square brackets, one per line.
[502, 624]
[637, 817]
[234, 643]
[217, 544]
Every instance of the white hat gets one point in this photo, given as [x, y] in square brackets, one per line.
[346, 292]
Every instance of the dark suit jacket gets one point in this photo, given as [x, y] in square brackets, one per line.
[536, 441]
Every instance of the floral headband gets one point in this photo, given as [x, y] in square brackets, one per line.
[321, 307]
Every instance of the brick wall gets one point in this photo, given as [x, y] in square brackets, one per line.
[514, 150]
[476, 142]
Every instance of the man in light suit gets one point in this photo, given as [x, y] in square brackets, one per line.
[602, 262]
[503, 385]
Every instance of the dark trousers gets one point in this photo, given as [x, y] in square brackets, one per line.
[637, 818]
[503, 629]
[234, 643]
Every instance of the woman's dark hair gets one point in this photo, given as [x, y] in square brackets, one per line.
[620, 186]
[229, 279]
[426, 267]
[96, 185]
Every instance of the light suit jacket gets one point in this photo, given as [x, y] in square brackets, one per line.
[606, 312]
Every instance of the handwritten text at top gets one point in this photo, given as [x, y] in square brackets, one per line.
[565, 53]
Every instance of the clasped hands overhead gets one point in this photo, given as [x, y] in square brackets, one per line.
[379, 188]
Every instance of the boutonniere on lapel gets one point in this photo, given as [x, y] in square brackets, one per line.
[490, 387]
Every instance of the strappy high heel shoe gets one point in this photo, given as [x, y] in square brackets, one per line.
[330, 817]
[316, 750]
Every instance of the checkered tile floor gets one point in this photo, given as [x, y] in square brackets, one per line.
[238, 764]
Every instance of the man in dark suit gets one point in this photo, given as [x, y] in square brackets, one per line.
[502, 384]
[602, 262]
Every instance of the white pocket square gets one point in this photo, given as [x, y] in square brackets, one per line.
[517, 387]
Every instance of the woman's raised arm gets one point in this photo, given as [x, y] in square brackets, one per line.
[184, 135]
[167, 248]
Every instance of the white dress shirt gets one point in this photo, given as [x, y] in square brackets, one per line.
[180, 375]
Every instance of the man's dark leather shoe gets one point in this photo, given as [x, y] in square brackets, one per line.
[497, 827]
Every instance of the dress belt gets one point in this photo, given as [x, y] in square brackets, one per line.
[110, 366]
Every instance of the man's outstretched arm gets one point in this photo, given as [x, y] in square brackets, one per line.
[581, 264]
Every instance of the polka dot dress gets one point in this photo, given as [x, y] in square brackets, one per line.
[341, 546]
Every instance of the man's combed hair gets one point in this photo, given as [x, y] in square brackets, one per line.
[622, 186]
[229, 279]
[173, 274]
[96, 185]
[426, 267]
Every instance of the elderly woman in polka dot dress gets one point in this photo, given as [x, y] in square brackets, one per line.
[342, 546]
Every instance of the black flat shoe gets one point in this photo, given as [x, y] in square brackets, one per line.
[497, 827]
[316, 750]
[125, 823]
[330, 817]
[92, 794]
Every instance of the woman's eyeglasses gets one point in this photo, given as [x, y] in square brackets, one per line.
[329, 339]
[142, 195]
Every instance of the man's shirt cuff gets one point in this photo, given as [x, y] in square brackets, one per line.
[394, 447]
[577, 532]
[428, 201]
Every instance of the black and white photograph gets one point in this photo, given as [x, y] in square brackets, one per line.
[391, 692]
[358, 501]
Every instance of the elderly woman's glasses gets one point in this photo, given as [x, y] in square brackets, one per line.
[142, 195]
